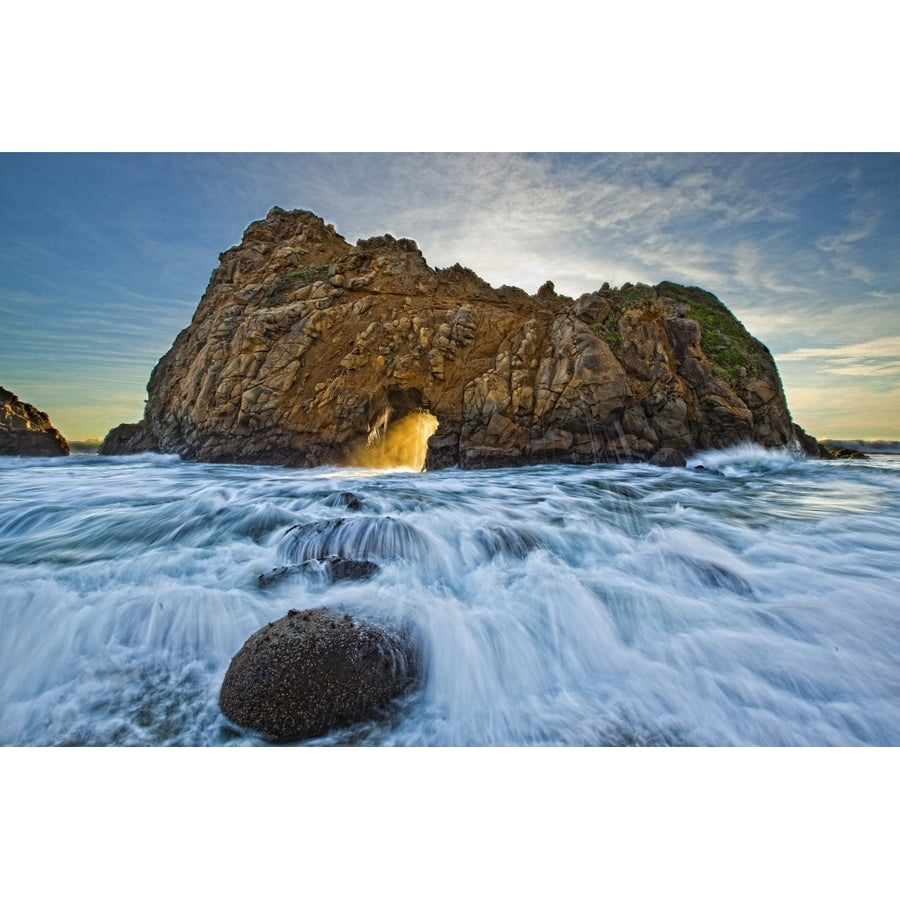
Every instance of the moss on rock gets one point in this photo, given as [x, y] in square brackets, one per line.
[733, 352]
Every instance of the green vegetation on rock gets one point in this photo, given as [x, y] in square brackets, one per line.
[734, 353]
[290, 281]
[629, 296]
[611, 335]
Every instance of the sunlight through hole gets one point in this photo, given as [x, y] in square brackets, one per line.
[397, 445]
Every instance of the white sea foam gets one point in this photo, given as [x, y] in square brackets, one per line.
[751, 599]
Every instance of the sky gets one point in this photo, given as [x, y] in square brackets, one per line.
[105, 256]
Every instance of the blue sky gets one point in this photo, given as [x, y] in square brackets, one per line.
[104, 257]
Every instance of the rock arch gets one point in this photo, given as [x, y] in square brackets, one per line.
[307, 351]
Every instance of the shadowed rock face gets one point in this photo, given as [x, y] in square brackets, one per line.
[26, 431]
[308, 351]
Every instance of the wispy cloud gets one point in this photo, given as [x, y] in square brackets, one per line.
[867, 354]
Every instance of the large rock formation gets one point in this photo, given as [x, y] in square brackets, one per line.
[26, 431]
[308, 351]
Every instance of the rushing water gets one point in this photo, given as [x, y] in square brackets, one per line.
[751, 599]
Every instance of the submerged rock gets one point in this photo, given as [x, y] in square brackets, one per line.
[335, 568]
[669, 458]
[357, 538]
[346, 499]
[316, 670]
[26, 431]
[308, 351]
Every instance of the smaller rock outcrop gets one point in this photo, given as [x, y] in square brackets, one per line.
[838, 452]
[124, 439]
[331, 569]
[26, 431]
[315, 670]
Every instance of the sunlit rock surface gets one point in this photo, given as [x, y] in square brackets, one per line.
[308, 351]
[26, 431]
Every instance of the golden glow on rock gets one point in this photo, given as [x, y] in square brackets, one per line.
[397, 445]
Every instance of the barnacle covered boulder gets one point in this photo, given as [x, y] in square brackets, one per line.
[315, 670]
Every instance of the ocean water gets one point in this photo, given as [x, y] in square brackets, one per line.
[752, 599]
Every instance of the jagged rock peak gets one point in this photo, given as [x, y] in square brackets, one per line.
[279, 224]
[306, 350]
[388, 242]
[26, 431]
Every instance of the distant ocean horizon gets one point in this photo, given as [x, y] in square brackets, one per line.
[748, 600]
[870, 446]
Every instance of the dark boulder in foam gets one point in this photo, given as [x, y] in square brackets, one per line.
[329, 570]
[506, 540]
[345, 499]
[309, 672]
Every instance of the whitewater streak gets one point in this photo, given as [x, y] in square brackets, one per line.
[751, 599]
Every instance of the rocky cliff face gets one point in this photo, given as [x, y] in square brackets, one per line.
[308, 351]
[26, 431]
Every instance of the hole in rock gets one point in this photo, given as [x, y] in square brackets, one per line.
[399, 444]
